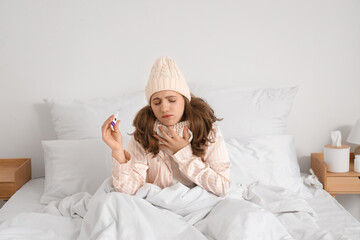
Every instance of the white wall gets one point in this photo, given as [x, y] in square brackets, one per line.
[85, 49]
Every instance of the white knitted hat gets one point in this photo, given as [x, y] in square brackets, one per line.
[165, 75]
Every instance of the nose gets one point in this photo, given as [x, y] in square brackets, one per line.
[165, 107]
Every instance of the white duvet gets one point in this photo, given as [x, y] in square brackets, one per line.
[177, 212]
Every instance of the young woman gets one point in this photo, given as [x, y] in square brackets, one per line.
[176, 139]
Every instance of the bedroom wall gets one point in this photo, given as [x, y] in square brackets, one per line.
[85, 49]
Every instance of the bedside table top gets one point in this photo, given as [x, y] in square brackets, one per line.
[350, 173]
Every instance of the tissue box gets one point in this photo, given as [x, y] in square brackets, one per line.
[337, 158]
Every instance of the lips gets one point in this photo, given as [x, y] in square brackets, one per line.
[166, 116]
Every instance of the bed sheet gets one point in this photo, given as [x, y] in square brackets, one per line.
[330, 215]
[26, 199]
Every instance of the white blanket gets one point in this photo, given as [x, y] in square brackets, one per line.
[177, 212]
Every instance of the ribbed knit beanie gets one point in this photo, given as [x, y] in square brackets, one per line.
[165, 75]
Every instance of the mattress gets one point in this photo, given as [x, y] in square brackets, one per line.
[26, 199]
[330, 214]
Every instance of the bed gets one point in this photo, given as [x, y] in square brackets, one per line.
[269, 197]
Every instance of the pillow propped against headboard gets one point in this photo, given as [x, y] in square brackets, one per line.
[269, 159]
[73, 166]
[248, 112]
[75, 119]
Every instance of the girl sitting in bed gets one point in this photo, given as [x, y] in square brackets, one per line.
[176, 139]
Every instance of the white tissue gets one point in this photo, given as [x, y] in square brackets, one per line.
[336, 138]
[312, 180]
[179, 131]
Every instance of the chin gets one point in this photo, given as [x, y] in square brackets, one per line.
[169, 122]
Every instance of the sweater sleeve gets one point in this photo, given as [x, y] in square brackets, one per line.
[213, 174]
[130, 176]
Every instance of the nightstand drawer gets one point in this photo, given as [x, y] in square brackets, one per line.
[343, 184]
[14, 173]
[6, 190]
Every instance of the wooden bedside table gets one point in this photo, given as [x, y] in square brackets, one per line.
[14, 173]
[336, 183]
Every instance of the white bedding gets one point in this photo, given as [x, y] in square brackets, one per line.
[278, 213]
[331, 215]
[26, 199]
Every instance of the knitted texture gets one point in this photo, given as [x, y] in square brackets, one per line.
[165, 75]
[178, 127]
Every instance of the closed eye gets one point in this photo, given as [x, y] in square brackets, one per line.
[172, 101]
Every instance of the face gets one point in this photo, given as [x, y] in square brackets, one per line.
[168, 107]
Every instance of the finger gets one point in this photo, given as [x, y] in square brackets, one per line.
[108, 121]
[104, 132]
[186, 134]
[116, 127]
[164, 133]
[127, 155]
[105, 129]
[162, 140]
[172, 132]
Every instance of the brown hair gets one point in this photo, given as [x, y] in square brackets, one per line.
[198, 112]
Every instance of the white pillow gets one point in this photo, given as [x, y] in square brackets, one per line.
[248, 112]
[82, 119]
[73, 166]
[270, 160]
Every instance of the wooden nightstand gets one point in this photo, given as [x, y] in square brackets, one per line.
[336, 183]
[14, 173]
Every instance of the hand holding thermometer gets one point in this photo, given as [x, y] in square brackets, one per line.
[113, 122]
